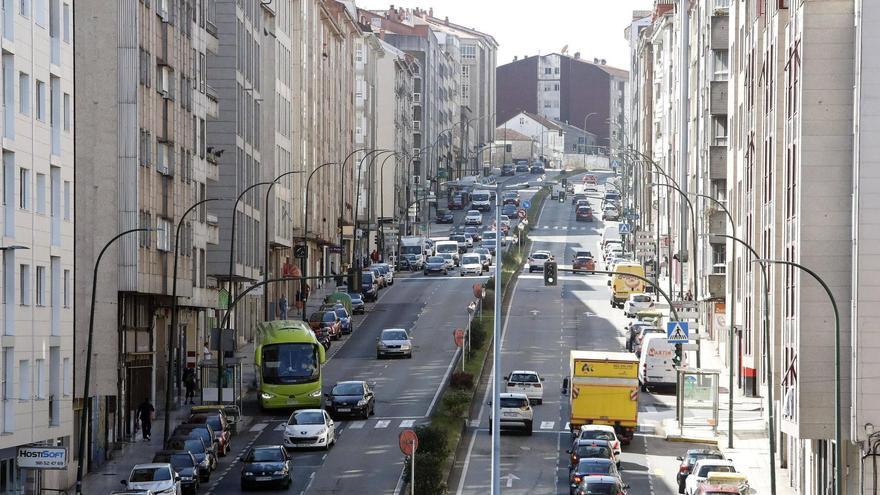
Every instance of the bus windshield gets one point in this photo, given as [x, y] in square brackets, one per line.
[410, 249]
[480, 196]
[290, 363]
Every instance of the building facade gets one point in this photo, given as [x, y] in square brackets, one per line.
[549, 136]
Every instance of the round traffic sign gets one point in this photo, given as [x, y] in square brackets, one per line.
[408, 441]
[458, 337]
[478, 290]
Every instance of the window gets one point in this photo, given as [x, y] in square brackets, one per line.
[41, 100]
[163, 234]
[8, 388]
[24, 380]
[548, 70]
[24, 188]
[24, 285]
[67, 113]
[67, 204]
[468, 52]
[40, 285]
[145, 222]
[24, 93]
[67, 379]
[24, 8]
[66, 289]
[556, 70]
[40, 385]
[41, 194]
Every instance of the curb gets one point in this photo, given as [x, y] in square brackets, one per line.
[681, 439]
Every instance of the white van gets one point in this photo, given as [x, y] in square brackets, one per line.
[656, 367]
[447, 247]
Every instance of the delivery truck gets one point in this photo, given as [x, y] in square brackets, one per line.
[603, 389]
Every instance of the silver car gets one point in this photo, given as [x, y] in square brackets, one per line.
[394, 342]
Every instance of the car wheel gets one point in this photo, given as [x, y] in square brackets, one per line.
[539, 401]
[529, 428]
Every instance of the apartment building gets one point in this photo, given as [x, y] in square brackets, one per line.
[141, 163]
[38, 238]
[549, 136]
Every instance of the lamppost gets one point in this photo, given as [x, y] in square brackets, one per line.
[382, 195]
[85, 413]
[585, 137]
[342, 196]
[266, 239]
[305, 241]
[173, 331]
[838, 435]
[357, 200]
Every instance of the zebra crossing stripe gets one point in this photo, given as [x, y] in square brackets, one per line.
[357, 425]
[259, 427]
[383, 423]
[280, 427]
[407, 423]
[547, 425]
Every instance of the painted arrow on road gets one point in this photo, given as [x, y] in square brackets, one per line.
[510, 477]
[534, 312]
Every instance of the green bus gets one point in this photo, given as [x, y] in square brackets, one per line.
[288, 360]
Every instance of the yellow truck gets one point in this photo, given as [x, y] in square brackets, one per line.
[624, 285]
[604, 390]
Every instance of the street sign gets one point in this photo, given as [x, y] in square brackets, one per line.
[677, 332]
[42, 457]
[300, 251]
[408, 441]
[624, 228]
[458, 337]
[526, 204]
[632, 216]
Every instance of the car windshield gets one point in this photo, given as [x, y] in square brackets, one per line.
[341, 312]
[367, 278]
[596, 435]
[329, 316]
[265, 455]
[601, 489]
[470, 260]
[355, 296]
[194, 445]
[435, 259]
[348, 389]
[524, 378]
[214, 422]
[289, 363]
[457, 238]
[143, 475]
[447, 248]
[306, 418]
[514, 402]
[583, 209]
[540, 256]
[394, 335]
[705, 470]
[181, 461]
[600, 451]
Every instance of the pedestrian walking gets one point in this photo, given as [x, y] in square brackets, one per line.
[189, 381]
[282, 307]
[145, 413]
[206, 352]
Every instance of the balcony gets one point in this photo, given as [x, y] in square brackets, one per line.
[717, 162]
[212, 103]
[718, 98]
[716, 285]
[718, 31]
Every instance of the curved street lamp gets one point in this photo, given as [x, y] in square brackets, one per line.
[305, 240]
[266, 239]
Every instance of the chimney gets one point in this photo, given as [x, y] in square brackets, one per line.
[446, 20]
[603, 61]
[577, 55]
[430, 11]
[515, 58]
[595, 60]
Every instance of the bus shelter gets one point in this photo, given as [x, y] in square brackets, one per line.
[697, 400]
[231, 381]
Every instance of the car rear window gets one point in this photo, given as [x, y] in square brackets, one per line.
[642, 298]
[596, 435]
[601, 489]
[513, 402]
[705, 470]
[144, 475]
[600, 451]
[524, 378]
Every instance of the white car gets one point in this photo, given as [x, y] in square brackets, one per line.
[701, 470]
[470, 264]
[449, 258]
[309, 428]
[603, 432]
[636, 303]
[473, 217]
[159, 478]
[610, 213]
[537, 259]
[482, 250]
[516, 410]
[526, 382]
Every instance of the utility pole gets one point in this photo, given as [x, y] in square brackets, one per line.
[683, 54]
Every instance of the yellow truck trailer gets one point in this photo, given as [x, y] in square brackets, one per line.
[604, 390]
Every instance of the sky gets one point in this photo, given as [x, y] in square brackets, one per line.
[532, 27]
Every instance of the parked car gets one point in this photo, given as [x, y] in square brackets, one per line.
[206, 434]
[326, 322]
[309, 428]
[184, 464]
[159, 478]
[345, 325]
[387, 272]
[611, 213]
[379, 276]
[197, 448]
[444, 216]
[357, 303]
[636, 303]
[536, 169]
[507, 169]
[537, 260]
[394, 342]
[369, 286]
[351, 397]
[436, 264]
[473, 217]
[516, 411]
[522, 167]
[526, 382]
[700, 472]
[266, 465]
[217, 422]
[689, 459]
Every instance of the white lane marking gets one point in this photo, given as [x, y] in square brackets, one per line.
[475, 423]
[567, 427]
[359, 425]
[280, 427]
[547, 425]
[407, 423]
[259, 427]
[382, 424]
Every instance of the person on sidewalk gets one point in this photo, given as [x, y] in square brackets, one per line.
[282, 307]
[145, 413]
[189, 381]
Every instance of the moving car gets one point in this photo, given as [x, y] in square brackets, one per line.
[447, 247]
[369, 286]
[450, 259]
[509, 209]
[611, 213]
[473, 217]
[489, 244]
[444, 216]
[470, 265]
[462, 241]
[309, 428]
[602, 432]
[528, 383]
[507, 169]
[184, 464]
[522, 167]
[536, 169]
[591, 467]
[590, 179]
[516, 411]
[353, 397]
[589, 448]
[473, 232]
[436, 264]
[456, 202]
[158, 477]
[583, 264]
[584, 214]
[605, 485]
[537, 260]
[689, 459]
[394, 342]
[577, 197]
[265, 465]
[510, 197]
[636, 303]
[700, 472]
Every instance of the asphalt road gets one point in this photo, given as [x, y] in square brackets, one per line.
[366, 458]
[541, 326]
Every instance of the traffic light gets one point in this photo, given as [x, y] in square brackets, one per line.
[676, 360]
[549, 273]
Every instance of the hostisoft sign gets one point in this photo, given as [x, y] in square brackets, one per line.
[42, 457]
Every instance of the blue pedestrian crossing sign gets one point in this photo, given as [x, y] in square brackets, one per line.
[677, 332]
[526, 204]
[624, 228]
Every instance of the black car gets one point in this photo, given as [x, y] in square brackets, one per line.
[265, 465]
[689, 459]
[184, 464]
[536, 169]
[369, 288]
[197, 448]
[589, 449]
[354, 397]
[357, 303]
[444, 216]
[206, 433]
[606, 485]
[509, 210]
[591, 467]
[522, 167]
[507, 169]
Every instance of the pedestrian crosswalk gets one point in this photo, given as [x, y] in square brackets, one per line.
[563, 227]
[354, 424]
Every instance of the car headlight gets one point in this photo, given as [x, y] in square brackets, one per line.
[248, 473]
[381, 345]
[405, 346]
[362, 402]
[315, 394]
[267, 395]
